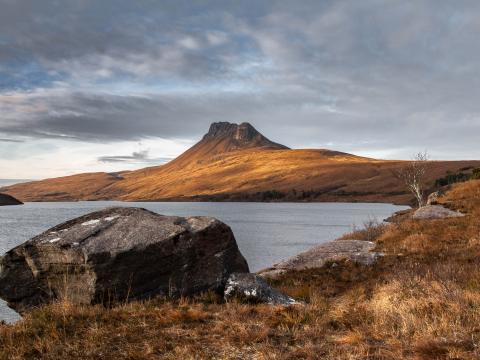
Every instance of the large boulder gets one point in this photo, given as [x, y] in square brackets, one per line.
[6, 199]
[432, 212]
[357, 251]
[120, 254]
[252, 288]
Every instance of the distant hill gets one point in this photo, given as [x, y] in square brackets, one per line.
[237, 163]
[8, 182]
[8, 200]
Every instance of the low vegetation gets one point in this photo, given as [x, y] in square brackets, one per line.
[461, 176]
[421, 301]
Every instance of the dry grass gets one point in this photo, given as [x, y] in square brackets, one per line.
[237, 175]
[422, 301]
[371, 231]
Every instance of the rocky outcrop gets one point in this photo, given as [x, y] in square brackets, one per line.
[120, 254]
[351, 250]
[252, 288]
[8, 200]
[239, 136]
[434, 197]
[431, 212]
[399, 216]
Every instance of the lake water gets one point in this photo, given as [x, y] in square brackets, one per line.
[8, 182]
[266, 232]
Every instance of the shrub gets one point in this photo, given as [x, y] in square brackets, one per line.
[451, 179]
[272, 195]
[475, 174]
[458, 177]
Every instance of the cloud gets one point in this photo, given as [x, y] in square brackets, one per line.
[369, 77]
[100, 117]
[10, 140]
[89, 41]
[140, 157]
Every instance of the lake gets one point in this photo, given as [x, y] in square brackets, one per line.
[266, 232]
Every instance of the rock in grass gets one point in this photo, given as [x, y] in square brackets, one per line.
[357, 251]
[6, 199]
[120, 254]
[433, 198]
[252, 288]
[431, 212]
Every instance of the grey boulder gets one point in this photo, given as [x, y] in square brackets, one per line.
[431, 212]
[357, 251]
[252, 288]
[120, 254]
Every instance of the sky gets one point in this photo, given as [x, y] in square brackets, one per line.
[110, 85]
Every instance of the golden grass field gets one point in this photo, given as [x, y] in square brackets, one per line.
[200, 174]
[420, 301]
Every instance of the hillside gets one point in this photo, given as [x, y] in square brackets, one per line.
[421, 300]
[8, 200]
[236, 162]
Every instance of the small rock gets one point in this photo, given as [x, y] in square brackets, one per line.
[399, 216]
[432, 199]
[253, 289]
[431, 212]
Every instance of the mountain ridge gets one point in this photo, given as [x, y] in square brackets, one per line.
[234, 162]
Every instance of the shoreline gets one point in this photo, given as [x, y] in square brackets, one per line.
[229, 200]
[420, 299]
[272, 264]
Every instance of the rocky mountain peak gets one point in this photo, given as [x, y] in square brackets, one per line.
[222, 129]
[239, 136]
[225, 137]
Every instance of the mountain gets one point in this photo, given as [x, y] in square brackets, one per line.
[236, 162]
[225, 137]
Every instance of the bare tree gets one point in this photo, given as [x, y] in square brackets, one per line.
[413, 175]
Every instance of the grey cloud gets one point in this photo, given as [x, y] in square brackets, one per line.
[97, 40]
[140, 157]
[87, 117]
[362, 75]
[10, 140]
[301, 119]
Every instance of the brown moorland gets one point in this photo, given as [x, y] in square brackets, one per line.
[420, 301]
[237, 163]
